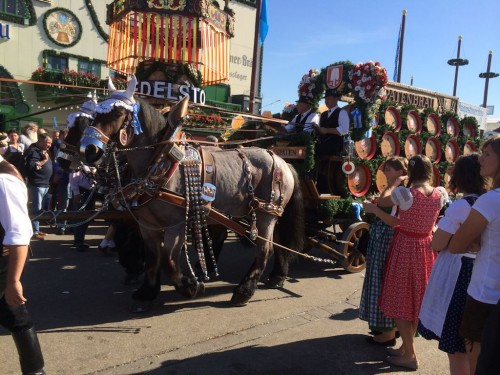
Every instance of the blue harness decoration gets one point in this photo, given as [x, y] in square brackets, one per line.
[135, 120]
[357, 209]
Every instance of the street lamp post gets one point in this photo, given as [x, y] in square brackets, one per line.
[489, 74]
[456, 63]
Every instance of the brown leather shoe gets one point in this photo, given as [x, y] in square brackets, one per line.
[42, 233]
[38, 236]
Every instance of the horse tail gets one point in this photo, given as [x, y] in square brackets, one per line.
[291, 226]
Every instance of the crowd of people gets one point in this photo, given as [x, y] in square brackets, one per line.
[431, 271]
[34, 154]
[436, 275]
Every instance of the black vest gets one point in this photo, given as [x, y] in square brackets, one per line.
[335, 142]
[299, 126]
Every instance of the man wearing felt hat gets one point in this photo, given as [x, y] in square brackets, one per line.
[333, 125]
[306, 119]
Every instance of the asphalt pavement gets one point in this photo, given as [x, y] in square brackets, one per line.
[81, 310]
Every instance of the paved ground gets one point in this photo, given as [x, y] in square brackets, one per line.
[81, 311]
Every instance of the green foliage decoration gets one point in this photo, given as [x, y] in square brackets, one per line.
[404, 114]
[338, 208]
[470, 120]
[172, 75]
[95, 20]
[307, 140]
[382, 108]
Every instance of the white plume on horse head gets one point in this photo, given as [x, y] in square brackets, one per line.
[111, 86]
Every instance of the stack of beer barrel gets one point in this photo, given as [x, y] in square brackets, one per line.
[408, 132]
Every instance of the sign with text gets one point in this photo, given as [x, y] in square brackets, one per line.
[169, 90]
[421, 98]
[4, 31]
[466, 109]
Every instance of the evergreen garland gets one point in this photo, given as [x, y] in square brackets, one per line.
[143, 71]
[470, 120]
[307, 140]
[95, 20]
[382, 108]
[404, 114]
[52, 52]
[444, 120]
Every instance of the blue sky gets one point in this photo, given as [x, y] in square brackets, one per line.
[316, 33]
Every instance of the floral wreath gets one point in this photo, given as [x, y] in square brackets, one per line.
[368, 81]
[311, 87]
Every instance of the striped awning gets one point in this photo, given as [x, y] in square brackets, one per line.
[175, 39]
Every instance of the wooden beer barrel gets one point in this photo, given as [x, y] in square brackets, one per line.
[389, 144]
[451, 150]
[366, 148]
[452, 127]
[433, 149]
[413, 146]
[393, 118]
[414, 122]
[380, 178]
[433, 124]
[447, 177]
[469, 148]
[469, 130]
[360, 180]
[436, 177]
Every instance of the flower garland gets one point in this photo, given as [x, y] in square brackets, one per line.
[368, 81]
[311, 87]
[289, 111]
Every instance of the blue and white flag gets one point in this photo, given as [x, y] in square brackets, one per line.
[264, 27]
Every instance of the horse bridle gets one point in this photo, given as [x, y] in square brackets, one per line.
[92, 136]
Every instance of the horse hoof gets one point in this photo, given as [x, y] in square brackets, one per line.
[200, 289]
[140, 307]
[275, 282]
[239, 300]
[190, 290]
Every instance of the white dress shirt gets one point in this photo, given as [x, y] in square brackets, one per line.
[312, 119]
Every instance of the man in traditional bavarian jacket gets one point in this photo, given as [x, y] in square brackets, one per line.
[15, 235]
[306, 120]
[333, 125]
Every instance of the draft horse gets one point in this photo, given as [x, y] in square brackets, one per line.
[245, 179]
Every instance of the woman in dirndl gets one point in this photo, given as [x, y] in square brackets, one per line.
[380, 235]
[444, 299]
[410, 255]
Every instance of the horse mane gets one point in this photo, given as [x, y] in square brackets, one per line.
[152, 121]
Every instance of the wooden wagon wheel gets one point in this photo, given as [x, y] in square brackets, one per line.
[355, 261]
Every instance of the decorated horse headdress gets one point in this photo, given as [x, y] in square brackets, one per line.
[88, 110]
[124, 99]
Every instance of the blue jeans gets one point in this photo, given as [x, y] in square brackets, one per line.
[37, 196]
